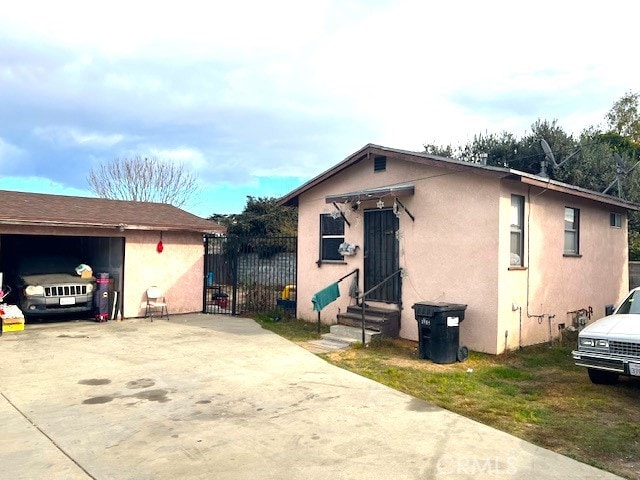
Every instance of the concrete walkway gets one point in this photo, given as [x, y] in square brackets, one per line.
[219, 398]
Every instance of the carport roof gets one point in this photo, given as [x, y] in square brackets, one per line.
[20, 208]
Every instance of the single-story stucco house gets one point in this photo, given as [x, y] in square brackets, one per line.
[117, 237]
[526, 254]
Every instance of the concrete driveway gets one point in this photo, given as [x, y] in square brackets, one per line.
[219, 398]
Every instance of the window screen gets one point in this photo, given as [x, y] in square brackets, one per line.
[331, 236]
[615, 220]
[517, 230]
[571, 230]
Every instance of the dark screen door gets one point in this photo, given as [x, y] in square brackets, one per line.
[381, 254]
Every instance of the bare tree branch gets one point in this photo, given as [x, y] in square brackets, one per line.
[143, 179]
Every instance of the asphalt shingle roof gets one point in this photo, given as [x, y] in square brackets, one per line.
[20, 208]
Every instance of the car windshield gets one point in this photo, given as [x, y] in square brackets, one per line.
[631, 304]
[43, 265]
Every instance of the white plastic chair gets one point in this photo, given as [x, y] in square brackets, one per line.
[156, 301]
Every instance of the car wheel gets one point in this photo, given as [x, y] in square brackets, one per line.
[602, 377]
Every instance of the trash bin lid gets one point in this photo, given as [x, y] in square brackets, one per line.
[428, 309]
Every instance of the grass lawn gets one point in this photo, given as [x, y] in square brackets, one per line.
[292, 329]
[536, 393]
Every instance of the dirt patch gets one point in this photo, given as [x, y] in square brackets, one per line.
[98, 400]
[140, 383]
[158, 395]
[95, 381]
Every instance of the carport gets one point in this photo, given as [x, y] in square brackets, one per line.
[103, 254]
[138, 244]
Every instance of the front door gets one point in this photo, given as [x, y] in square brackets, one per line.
[381, 255]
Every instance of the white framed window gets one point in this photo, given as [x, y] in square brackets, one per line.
[615, 220]
[571, 231]
[331, 236]
[517, 231]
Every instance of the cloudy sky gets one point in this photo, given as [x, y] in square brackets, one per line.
[257, 97]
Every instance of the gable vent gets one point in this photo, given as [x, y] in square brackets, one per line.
[379, 164]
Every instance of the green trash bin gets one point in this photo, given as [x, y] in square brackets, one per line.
[439, 331]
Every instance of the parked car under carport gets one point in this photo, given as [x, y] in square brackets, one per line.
[46, 286]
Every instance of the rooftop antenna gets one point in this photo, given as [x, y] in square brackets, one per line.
[621, 170]
[550, 158]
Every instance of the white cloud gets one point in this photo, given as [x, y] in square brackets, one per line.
[191, 28]
[9, 153]
[70, 135]
[248, 89]
[185, 155]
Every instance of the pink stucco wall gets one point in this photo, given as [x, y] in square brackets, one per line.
[449, 253]
[536, 301]
[458, 251]
[178, 270]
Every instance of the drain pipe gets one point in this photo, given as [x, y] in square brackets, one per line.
[363, 329]
[518, 308]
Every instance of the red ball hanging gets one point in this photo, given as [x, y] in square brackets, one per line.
[160, 247]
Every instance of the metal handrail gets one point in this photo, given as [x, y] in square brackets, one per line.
[357, 272]
[362, 297]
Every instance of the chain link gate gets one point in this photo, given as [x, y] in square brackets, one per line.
[245, 275]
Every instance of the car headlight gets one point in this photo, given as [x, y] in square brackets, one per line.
[594, 342]
[32, 290]
[587, 342]
[89, 287]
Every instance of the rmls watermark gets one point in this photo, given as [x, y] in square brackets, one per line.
[474, 465]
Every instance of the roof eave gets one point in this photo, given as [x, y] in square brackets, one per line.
[291, 199]
[118, 226]
[573, 190]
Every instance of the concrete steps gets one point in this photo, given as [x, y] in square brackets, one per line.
[339, 338]
[382, 320]
[351, 334]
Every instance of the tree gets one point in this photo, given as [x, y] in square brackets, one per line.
[261, 216]
[593, 167]
[624, 117]
[143, 179]
[438, 150]
[260, 227]
[506, 150]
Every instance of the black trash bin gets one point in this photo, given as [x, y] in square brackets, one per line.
[439, 331]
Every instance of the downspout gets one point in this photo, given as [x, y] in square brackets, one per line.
[539, 317]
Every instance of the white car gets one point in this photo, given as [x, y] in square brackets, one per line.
[610, 347]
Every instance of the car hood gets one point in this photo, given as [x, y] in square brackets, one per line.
[623, 327]
[54, 278]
